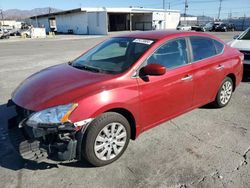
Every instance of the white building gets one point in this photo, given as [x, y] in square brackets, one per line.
[13, 24]
[188, 20]
[104, 20]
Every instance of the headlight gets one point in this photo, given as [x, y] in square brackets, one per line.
[54, 115]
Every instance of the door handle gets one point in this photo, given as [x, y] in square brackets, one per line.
[219, 67]
[187, 77]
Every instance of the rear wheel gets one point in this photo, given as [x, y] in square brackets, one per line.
[225, 93]
[106, 139]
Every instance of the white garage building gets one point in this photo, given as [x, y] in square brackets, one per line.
[104, 20]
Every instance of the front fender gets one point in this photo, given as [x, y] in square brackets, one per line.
[126, 98]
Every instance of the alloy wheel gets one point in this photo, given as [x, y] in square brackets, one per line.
[226, 92]
[110, 141]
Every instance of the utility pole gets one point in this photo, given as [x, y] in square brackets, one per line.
[185, 10]
[203, 18]
[218, 18]
[243, 22]
[2, 16]
[230, 16]
[169, 5]
[36, 21]
[163, 6]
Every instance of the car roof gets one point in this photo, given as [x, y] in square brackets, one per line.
[163, 34]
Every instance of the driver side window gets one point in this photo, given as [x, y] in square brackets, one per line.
[171, 55]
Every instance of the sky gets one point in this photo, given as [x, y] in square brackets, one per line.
[195, 7]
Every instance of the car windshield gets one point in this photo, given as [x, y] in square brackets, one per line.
[245, 35]
[113, 56]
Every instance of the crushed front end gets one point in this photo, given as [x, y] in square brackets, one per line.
[59, 141]
[57, 135]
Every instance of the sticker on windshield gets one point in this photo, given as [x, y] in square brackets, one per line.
[143, 41]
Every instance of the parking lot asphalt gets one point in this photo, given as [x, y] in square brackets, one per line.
[206, 147]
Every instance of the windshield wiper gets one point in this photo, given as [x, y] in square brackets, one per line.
[88, 68]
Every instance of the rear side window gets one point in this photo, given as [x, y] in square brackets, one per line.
[202, 48]
[218, 46]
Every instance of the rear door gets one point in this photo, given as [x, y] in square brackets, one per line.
[163, 97]
[208, 66]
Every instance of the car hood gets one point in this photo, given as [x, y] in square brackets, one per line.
[60, 84]
[240, 44]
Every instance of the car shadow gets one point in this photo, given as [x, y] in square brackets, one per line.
[208, 106]
[12, 142]
[77, 164]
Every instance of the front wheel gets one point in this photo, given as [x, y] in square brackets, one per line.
[106, 139]
[225, 93]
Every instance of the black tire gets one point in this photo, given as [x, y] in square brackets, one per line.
[95, 129]
[219, 103]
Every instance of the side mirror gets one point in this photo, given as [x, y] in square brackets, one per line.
[236, 36]
[153, 70]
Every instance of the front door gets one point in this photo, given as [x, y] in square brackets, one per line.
[163, 97]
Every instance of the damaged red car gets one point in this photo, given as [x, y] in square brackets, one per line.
[92, 106]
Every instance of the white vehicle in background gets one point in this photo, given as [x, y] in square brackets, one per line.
[4, 33]
[242, 43]
[184, 28]
[3, 30]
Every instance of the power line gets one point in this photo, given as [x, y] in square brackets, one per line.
[208, 1]
[177, 3]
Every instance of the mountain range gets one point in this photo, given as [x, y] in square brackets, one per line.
[17, 14]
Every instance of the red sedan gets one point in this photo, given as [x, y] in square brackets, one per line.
[91, 107]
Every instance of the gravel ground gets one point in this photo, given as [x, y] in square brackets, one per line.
[203, 148]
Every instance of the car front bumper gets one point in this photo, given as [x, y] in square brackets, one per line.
[62, 142]
[59, 141]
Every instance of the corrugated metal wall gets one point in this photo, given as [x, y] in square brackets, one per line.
[75, 22]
